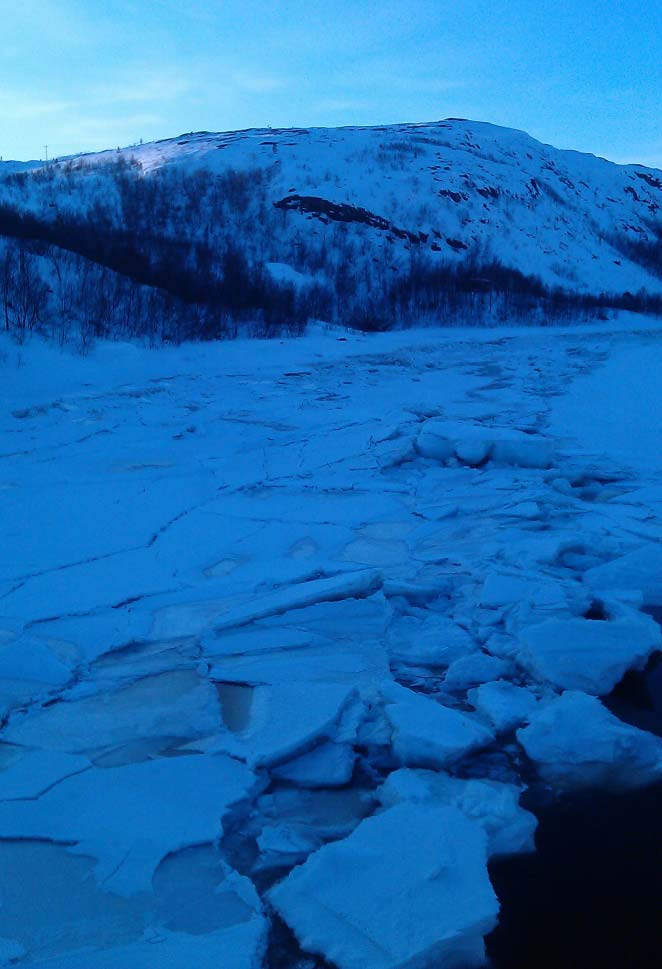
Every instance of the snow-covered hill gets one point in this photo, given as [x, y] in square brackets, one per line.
[449, 188]
[364, 214]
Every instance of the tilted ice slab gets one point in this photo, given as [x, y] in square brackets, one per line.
[505, 589]
[338, 642]
[237, 947]
[427, 734]
[504, 704]
[193, 616]
[347, 621]
[283, 845]
[576, 742]
[491, 804]
[294, 822]
[140, 658]
[589, 655]
[179, 704]
[435, 641]
[285, 721]
[474, 444]
[546, 600]
[408, 888]
[129, 818]
[361, 663]
[638, 571]
[255, 640]
[327, 765]
[30, 668]
[479, 667]
[347, 585]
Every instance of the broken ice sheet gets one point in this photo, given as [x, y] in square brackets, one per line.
[28, 773]
[293, 556]
[127, 817]
[290, 822]
[170, 705]
[239, 947]
[32, 668]
[62, 917]
[326, 765]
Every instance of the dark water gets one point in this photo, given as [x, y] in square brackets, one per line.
[638, 698]
[591, 895]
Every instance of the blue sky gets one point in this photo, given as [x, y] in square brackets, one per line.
[86, 74]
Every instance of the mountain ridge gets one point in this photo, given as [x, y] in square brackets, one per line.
[376, 216]
[170, 139]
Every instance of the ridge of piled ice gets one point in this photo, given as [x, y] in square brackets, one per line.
[473, 444]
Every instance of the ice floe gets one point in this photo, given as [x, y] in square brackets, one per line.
[384, 899]
[589, 655]
[505, 705]
[327, 765]
[428, 734]
[491, 804]
[576, 742]
[286, 721]
[638, 571]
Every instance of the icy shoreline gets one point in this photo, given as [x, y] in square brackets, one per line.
[316, 605]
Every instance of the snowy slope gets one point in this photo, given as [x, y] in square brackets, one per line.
[448, 190]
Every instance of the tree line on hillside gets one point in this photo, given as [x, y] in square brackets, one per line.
[646, 251]
[87, 253]
[475, 292]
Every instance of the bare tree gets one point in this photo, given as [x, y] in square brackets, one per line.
[7, 279]
[30, 292]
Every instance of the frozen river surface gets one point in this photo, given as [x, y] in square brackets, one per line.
[287, 627]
